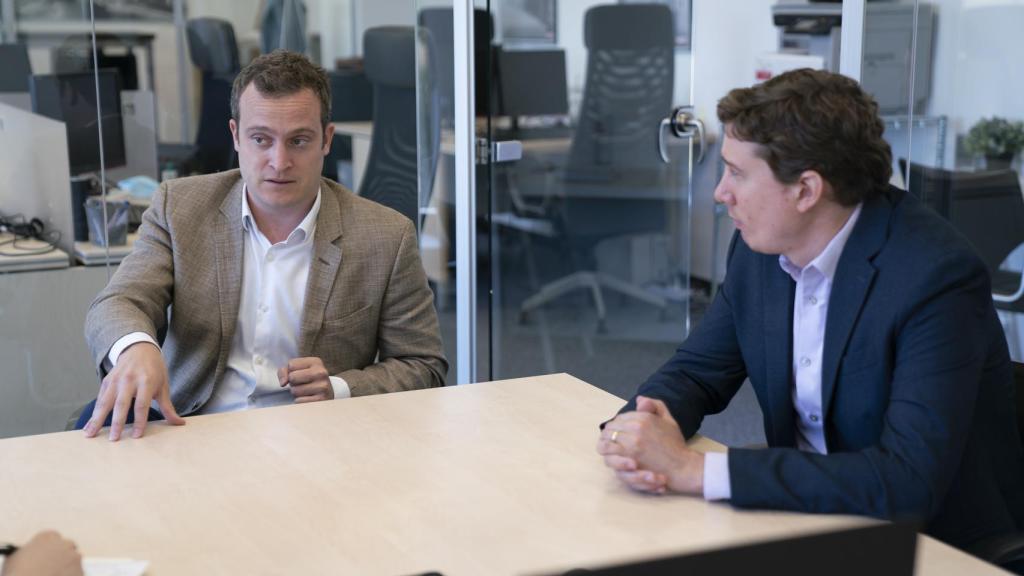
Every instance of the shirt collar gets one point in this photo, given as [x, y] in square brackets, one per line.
[826, 262]
[304, 230]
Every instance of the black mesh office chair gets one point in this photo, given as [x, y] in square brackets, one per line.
[213, 49]
[392, 169]
[614, 183]
[987, 208]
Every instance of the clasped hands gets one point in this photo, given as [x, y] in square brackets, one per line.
[647, 450]
[141, 377]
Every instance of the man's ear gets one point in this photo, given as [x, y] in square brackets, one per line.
[233, 126]
[811, 190]
[328, 138]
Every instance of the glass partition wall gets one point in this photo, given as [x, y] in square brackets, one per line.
[962, 149]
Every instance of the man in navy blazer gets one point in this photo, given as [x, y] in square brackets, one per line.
[865, 325]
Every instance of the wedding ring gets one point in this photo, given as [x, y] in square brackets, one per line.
[615, 434]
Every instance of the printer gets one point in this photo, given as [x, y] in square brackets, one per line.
[809, 34]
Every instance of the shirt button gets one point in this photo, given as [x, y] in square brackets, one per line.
[805, 362]
[258, 360]
[812, 300]
[814, 417]
[270, 256]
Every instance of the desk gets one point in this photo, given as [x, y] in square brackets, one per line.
[25, 256]
[496, 478]
[90, 254]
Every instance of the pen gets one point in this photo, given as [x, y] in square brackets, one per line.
[8, 549]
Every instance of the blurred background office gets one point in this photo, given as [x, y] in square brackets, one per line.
[594, 242]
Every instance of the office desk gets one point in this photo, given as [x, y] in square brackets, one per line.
[497, 478]
[29, 255]
[90, 254]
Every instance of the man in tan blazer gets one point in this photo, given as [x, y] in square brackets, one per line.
[272, 284]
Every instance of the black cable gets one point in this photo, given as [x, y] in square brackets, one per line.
[22, 230]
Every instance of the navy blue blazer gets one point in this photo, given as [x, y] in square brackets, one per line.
[917, 385]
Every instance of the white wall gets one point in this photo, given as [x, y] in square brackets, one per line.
[727, 37]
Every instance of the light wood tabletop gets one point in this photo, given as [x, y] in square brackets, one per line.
[494, 478]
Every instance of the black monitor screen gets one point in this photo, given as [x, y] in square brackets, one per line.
[71, 98]
[533, 82]
[15, 68]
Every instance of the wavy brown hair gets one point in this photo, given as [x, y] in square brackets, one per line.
[813, 120]
[282, 73]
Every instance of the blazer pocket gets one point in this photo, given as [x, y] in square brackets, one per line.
[352, 320]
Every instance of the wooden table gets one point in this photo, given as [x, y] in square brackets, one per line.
[496, 478]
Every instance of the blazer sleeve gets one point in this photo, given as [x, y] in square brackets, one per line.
[410, 354]
[706, 370]
[138, 294]
[939, 355]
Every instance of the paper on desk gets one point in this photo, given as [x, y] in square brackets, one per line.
[109, 566]
[114, 567]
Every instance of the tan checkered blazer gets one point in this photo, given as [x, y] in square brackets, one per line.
[368, 314]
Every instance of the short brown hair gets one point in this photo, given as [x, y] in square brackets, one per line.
[814, 120]
[282, 73]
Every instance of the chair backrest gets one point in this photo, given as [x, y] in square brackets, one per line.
[213, 49]
[986, 207]
[628, 90]
[393, 167]
[16, 68]
[212, 46]
[439, 21]
[1018, 381]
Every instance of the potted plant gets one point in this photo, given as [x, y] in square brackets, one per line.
[997, 139]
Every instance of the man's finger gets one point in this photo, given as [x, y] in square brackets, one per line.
[606, 447]
[303, 390]
[122, 405]
[104, 403]
[167, 407]
[644, 481]
[307, 375]
[141, 416]
[620, 463]
[307, 399]
[282, 376]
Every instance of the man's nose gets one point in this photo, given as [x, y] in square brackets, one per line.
[280, 159]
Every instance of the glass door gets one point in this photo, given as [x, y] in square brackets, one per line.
[590, 145]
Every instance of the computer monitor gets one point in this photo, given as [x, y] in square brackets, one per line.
[533, 83]
[16, 68]
[71, 98]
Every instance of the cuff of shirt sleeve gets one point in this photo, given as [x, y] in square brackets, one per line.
[716, 476]
[126, 341]
[341, 389]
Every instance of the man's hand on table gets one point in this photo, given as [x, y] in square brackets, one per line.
[308, 379]
[140, 376]
[648, 452]
[46, 554]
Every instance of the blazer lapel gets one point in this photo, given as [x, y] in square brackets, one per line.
[228, 238]
[777, 302]
[850, 287]
[323, 269]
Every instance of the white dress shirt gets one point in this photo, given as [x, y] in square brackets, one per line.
[269, 316]
[810, 310]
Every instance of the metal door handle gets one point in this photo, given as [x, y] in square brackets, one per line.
[500, 151]
[683, 124]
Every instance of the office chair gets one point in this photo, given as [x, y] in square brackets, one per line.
[1007, 551]
[351, 101]
[613, 159]
[987, 208]
[393, 169]
[440, 23]
[213, 49]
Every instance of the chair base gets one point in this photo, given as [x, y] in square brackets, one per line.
[595, 282]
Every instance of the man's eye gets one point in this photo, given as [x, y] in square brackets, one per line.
[259, 140]
[300, 141]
